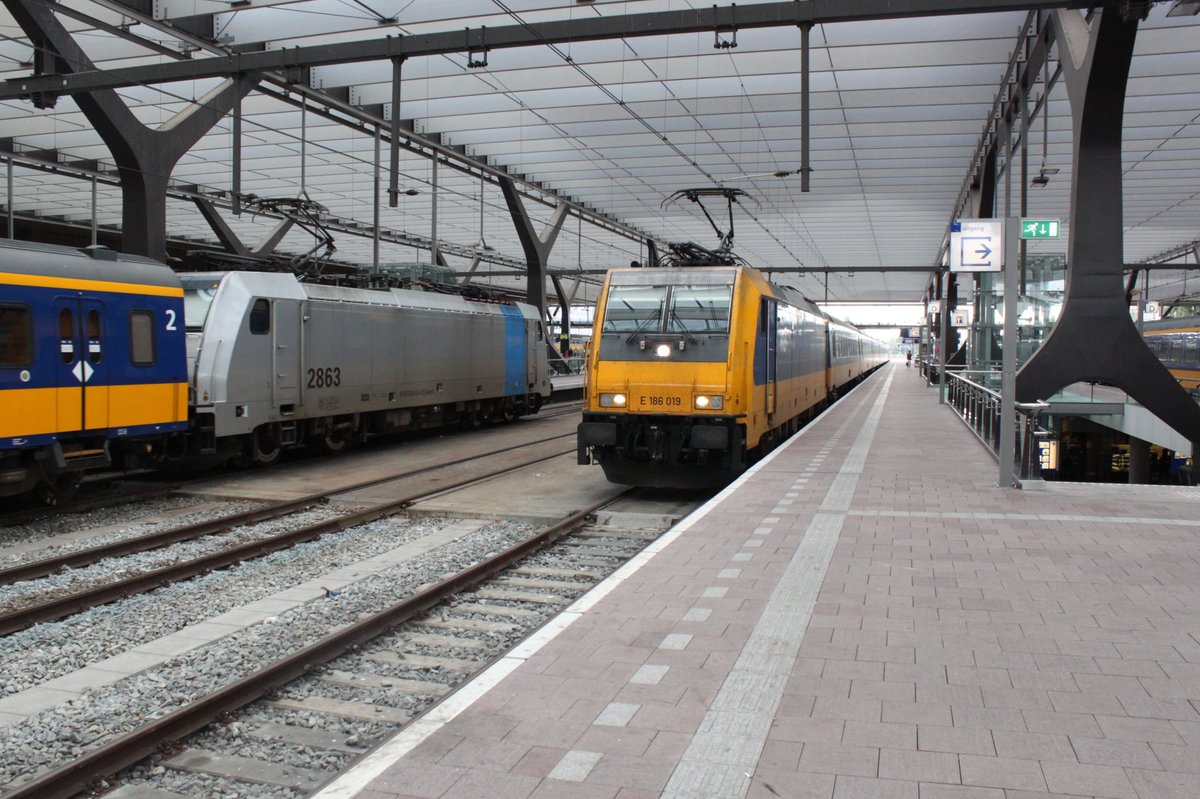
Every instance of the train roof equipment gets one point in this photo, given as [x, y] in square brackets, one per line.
[690, 253]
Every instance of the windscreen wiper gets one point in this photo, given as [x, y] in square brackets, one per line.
[645, 324]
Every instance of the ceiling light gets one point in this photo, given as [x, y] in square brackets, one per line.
[1043, 176]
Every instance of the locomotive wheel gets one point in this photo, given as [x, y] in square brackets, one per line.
[264, 446]
[333, 443]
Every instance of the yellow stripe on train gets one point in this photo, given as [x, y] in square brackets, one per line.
[78, 284]
[41, 411]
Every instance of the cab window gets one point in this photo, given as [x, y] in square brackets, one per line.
[700, 309]
[633, 309]
[196, 303]
[260, 317]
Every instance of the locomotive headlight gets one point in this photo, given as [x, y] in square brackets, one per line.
[663, 350]
[706, 402]
[612, 400]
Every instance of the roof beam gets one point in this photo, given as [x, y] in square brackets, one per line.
[658, 23]
[791, 270]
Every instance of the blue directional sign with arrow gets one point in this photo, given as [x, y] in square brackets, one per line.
[977, 245]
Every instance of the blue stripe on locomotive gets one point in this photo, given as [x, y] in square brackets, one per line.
[514, 351]
[170, 345]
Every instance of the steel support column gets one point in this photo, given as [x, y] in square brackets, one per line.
[10, 213]
[805, 104]
[394, 142]
[564, 306]
[144, 156]
[537, 248]
[1095, 340]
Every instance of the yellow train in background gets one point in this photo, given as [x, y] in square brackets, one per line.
[695, 372]
[1176, 342]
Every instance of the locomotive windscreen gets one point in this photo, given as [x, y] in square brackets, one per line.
[634, 308]
[699, 309]
[688, 309]
[197, 299]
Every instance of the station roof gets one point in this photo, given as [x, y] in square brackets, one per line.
[615, 125]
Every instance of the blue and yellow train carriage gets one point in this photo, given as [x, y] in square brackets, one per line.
[92, 352]
[1176, 342]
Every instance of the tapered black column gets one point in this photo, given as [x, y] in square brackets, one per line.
[1095, 340]
[145, 157]
[537, 247]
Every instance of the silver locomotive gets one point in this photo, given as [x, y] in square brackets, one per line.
[273, 362]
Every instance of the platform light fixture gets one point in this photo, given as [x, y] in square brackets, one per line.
[1043, 176]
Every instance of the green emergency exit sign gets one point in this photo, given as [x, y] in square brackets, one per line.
[1039, 228]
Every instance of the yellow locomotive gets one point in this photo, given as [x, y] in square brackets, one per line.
[696, 371]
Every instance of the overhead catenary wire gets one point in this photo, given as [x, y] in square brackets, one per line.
[251, 124]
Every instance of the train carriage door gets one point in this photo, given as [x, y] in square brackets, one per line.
[533, 342]
[769, 320]
[285, 354]
[96, 365]
[81, 399]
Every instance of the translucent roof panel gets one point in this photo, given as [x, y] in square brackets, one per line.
[614, 127]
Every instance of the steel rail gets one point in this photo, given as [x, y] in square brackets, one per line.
[71, 604]
[77, 775]
[86, 557]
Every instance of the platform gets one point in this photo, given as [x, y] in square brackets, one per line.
[566, 387]
[865, 615]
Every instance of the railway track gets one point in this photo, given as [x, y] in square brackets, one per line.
[112, 489]
[332, 699]
[21, 615]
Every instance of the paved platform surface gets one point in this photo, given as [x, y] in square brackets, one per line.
[864, 616]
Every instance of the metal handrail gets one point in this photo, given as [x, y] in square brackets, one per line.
[980, 409]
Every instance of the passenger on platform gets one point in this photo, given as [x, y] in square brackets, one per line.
[908, 358]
